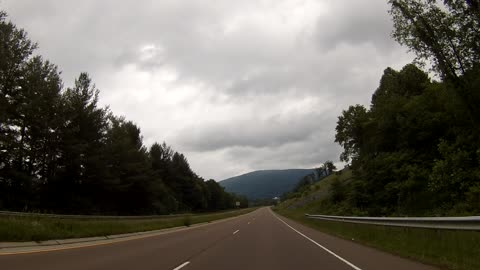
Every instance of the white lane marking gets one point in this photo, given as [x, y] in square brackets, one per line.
[324, 248]
[236, 231]
[181, 266]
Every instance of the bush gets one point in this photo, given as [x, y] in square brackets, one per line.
[187, 221]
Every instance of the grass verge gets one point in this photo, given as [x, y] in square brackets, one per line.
[456, 250]
[47, 228]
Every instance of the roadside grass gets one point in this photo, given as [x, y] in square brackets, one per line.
[313, 197]
[37, 228]
[456, 250]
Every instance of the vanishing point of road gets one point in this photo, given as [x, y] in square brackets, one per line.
[258, 240]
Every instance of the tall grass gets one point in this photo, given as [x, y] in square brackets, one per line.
[47, 228]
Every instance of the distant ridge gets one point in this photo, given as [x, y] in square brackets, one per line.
[264, 184]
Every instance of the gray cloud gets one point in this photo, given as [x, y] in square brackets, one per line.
[270, 132]
[235, 85]
[355, 23]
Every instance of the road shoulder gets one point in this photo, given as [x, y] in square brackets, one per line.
[360, 255]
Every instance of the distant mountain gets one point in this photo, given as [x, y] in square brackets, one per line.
[264, 184]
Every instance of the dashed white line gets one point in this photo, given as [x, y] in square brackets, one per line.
[236, 231]
[181, 266]
[324, 248]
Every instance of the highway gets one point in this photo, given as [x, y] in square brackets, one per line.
[258, 240]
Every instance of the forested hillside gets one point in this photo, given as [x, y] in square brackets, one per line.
[416, 149]
[265, 184]
[60, 152]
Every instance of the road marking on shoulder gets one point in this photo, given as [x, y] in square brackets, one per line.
[324, 248]
[181, 266]
[236, 231]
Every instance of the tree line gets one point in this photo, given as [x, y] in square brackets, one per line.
[305, 183]
[416, 149]
[61, 152]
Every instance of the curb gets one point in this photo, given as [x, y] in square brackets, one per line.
[5, 245]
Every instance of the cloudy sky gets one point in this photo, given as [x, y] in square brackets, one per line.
[235, 85]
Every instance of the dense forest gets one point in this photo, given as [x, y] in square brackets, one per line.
[416, 149]
[60, 152]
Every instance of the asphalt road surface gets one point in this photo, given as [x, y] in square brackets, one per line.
[258, 240]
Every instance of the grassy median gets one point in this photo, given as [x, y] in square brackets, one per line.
[46, 228]
[458, 250]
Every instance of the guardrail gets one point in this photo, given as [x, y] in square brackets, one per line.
[25, 214]
[471, 223]
[30, 214]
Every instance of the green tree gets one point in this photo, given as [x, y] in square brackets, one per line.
[350, 131]
[129, 173]
[40, 123]
[216, 197]
[15, 51]
[337, 191]
[160, 157]
[329, 167]
[395, 142]
[83, 135]
[29, 119]
[445, 33]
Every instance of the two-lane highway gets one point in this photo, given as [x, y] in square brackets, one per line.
[258, 240]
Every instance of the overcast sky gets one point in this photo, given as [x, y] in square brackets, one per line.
[234, 85]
